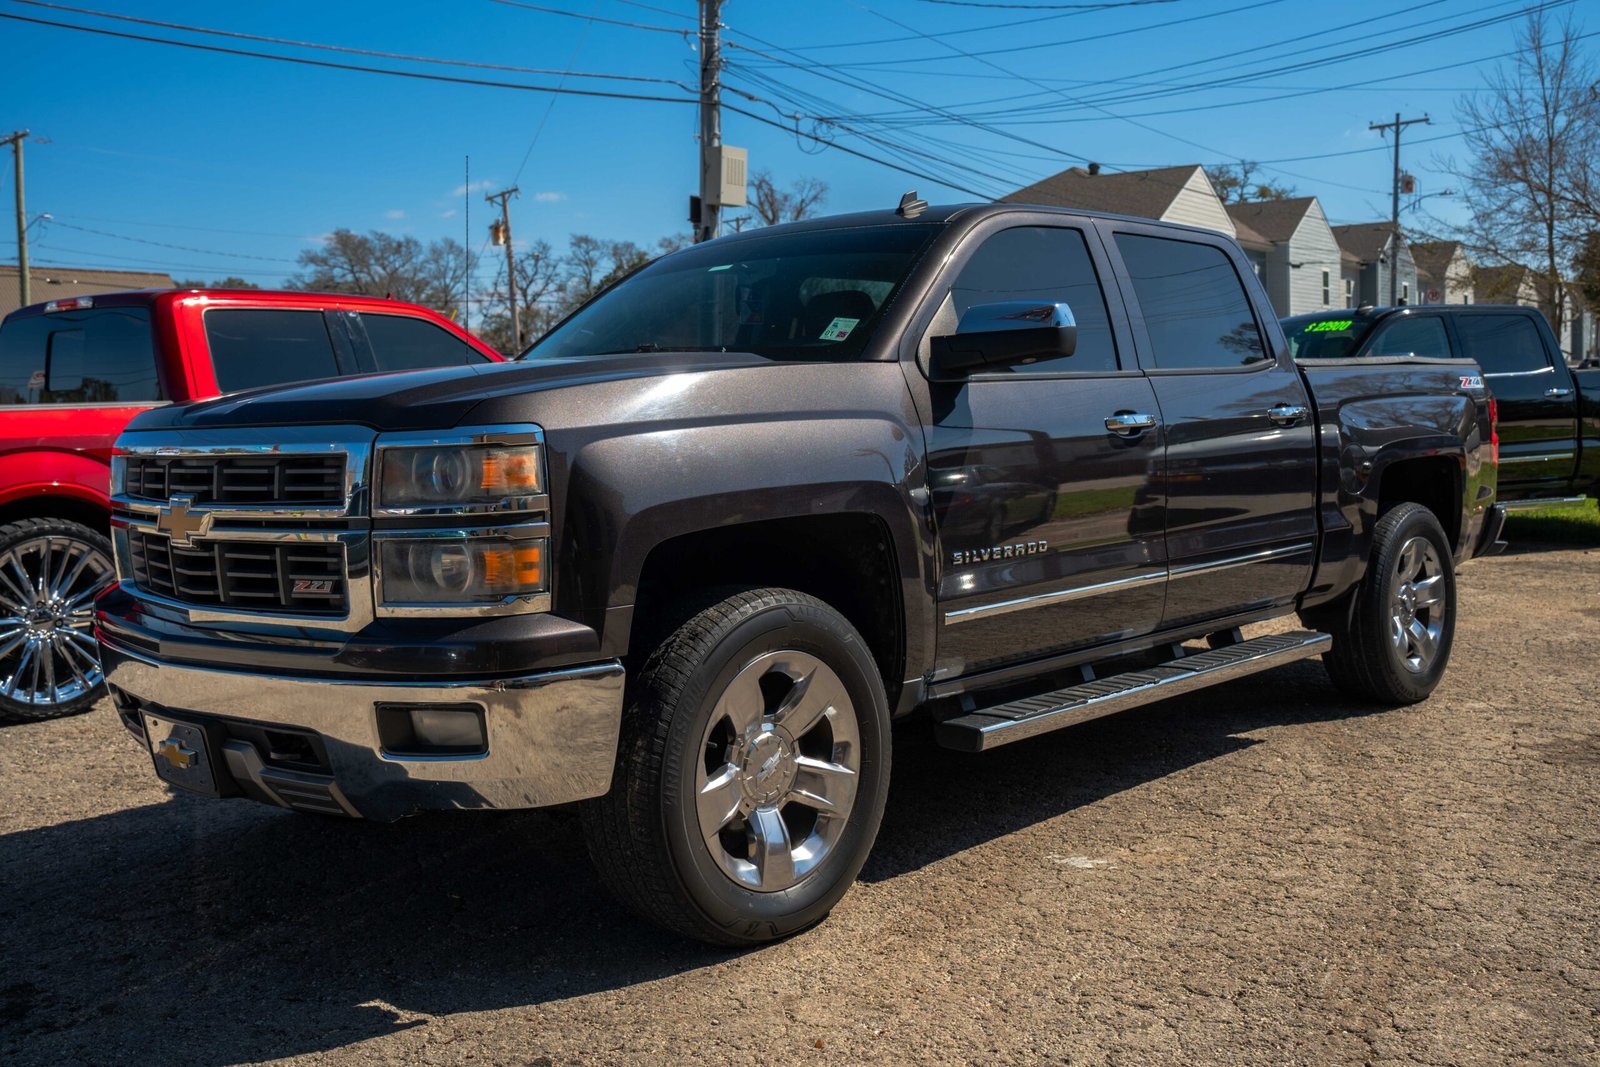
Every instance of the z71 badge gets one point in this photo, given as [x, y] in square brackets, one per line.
[1471, 381]
[967, 556]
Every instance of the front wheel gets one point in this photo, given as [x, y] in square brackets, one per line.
[50, 572]
[751, 773]
[1392, 642]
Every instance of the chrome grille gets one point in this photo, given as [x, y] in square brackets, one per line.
[275, 479]
[301, 577]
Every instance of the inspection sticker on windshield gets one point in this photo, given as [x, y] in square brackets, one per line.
[839, 329]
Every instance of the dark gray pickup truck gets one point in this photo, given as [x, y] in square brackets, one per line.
[1007, 467]
[1547, 413]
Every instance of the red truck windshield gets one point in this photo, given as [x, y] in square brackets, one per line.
[812, 295]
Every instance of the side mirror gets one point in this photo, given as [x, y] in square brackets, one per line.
[1003, 333]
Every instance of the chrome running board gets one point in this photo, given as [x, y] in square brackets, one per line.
[1539, 503]
[987, 728]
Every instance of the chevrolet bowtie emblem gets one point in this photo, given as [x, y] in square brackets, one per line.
[176, 753]
[181, 523]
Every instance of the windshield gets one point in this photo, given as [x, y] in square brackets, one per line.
[1325, 336]
[811, 295]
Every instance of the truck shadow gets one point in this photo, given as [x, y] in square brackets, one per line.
[197, 932]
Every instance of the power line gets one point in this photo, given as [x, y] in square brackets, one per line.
[676, 31]
[164, 244]
[330, 65]
[1048, 7]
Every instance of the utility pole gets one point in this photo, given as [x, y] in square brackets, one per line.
[15, 141]
[1394, 209]
[710, 120]
[500, 233]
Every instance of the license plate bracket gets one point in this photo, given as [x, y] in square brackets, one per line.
[181, 754]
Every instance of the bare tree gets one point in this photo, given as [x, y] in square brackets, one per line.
[539, 271]
[1236, 183]
[770, 205]
[1530, 186]
[381, 264]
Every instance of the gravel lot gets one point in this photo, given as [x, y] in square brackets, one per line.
[1260, 873]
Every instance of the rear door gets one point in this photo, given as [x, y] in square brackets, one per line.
[1049, 523]
[1538, 405]
[1239, 434]
[386, 342]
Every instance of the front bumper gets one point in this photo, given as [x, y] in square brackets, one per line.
[313, 743]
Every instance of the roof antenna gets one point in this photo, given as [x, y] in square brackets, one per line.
[910, 207]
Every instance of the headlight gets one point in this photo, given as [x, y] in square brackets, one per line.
[461, 570]
[459, 477]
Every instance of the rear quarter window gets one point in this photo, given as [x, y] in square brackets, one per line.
[254, 347]
[101, 355]
[400, 342]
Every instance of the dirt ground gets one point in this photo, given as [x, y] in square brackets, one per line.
[1262, 873]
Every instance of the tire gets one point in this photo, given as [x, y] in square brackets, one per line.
[1392, 642]
[769, 704]
[49, 665]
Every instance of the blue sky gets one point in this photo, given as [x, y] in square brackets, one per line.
[204, 164]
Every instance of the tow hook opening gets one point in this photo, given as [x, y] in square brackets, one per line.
[432, 730]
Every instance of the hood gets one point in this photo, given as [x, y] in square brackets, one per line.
[425, 399]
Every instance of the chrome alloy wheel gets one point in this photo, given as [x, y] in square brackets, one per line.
[47, 590]
[1416, 618]
[780, 763]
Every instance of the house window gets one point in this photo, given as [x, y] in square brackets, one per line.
[1405, 292]
[1327, 288]
[1349, 292]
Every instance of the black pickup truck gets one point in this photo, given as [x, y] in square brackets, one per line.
[1548, 414]
[1008, 467]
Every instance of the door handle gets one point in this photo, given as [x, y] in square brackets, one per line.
[1287, 414]
[1557, 393]
[1128, 424]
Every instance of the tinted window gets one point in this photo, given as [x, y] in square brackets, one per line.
[1047, 264]
[812, 295]
[96, 356]
[403, 343]
[1502, 344]
[252, 347]
[1423, 336]
[1325, 336]
[1194, 304]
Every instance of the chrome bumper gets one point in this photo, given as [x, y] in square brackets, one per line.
[552, 737]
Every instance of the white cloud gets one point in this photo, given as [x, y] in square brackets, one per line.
[549, 198]
[395, 214]
[448, 214]
[476, 187]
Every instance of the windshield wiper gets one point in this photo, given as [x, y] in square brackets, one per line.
[652, 346]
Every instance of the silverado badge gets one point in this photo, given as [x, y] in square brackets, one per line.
[961, 557]
[181, 523]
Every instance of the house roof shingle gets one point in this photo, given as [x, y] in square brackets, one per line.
[1364, 240]
[1500, 284]
[1433, 260]
[57, 283]
[1145, 193]
[1274, 220]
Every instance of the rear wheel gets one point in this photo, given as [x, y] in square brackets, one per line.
[1392, 643]
[751, 773]
[50, 572]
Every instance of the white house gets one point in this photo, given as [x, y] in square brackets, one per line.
[1171, 194]
[1294, 251]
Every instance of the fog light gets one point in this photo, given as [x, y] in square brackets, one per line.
[432, 729]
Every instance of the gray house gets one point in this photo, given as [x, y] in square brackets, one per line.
[1171, 194]
[1371, 250]
[1294, 251]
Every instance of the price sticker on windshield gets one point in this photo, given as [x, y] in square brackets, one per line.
[839, 329]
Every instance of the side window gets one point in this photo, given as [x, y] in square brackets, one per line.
[252, 347]
[403, 343]
[1047, 264]
[99, 356]
[1502, 344]
[1194, 304]
[1412, 336]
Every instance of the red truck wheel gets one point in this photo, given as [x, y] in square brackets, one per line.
[50, 572]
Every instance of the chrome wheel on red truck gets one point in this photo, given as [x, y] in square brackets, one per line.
[50, 572]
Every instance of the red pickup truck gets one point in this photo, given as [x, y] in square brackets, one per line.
[74, 372]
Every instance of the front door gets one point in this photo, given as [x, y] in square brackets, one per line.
[1241, 523]
[1049, 523]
